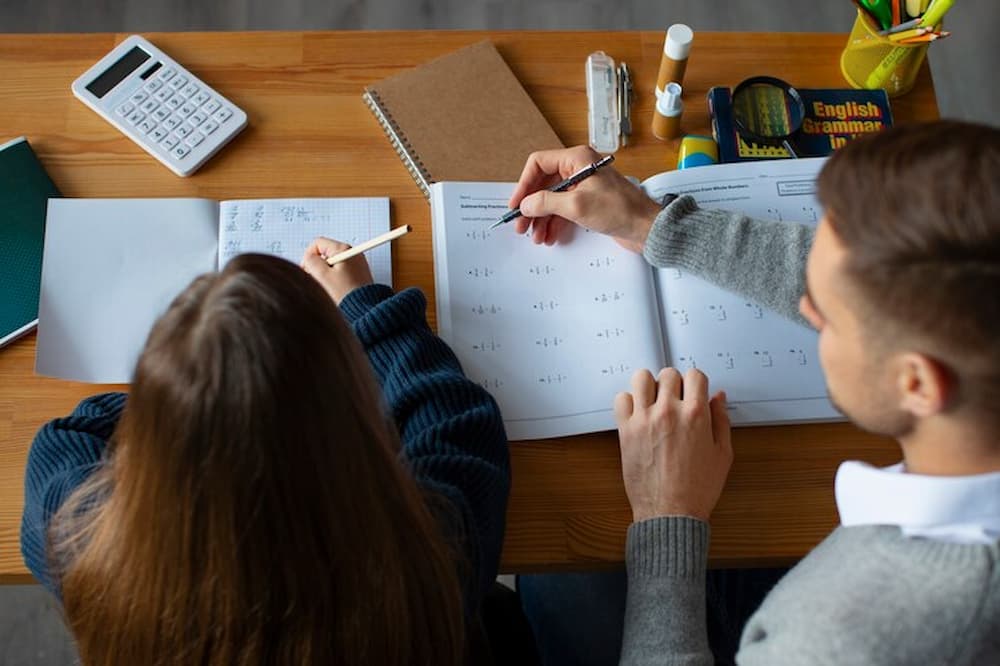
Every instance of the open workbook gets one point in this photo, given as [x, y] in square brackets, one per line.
[555, 332]
[111, 266]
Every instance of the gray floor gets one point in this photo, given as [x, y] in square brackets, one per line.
[30, 629]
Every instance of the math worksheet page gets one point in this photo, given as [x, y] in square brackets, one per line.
[552, 332]
[767, 364]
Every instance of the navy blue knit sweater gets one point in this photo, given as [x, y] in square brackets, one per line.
[451, 432]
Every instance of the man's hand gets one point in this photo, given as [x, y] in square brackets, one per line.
[338, 280]
[606, 201]
[675, 444]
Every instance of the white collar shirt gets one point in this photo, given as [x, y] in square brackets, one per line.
[957, 509]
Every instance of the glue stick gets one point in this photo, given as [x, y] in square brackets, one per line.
[667, 117]
[676, 47]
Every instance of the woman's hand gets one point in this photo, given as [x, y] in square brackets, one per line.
[338, 280]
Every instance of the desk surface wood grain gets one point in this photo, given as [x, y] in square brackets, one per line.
[311, 135]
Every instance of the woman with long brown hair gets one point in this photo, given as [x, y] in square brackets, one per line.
[257, 499]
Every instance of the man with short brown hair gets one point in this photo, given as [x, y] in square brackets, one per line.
[902, 283]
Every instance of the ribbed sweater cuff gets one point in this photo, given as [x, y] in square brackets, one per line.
[674, 546]
[357, 303]
[668, 242]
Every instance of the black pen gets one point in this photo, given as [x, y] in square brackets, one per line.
[585, 172]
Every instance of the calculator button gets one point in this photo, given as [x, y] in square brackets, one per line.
[195, 139]
[175, 102]
[166, 74]
[159, 132]
[187, 109]
[179, 151]
[201, 98]
[173, 121]
[212, 106]
[183, 130]
[125, 109]
[161, 113]
[197, 118]
[149, 105]
[210, 127]
[147, 125]
[153, 85]
[163, 94]
[138, 98]
[222, 115]
[136, 117]
[169, 142]
[189, 89]
[178, 82]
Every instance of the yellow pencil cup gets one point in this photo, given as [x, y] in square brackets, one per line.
[872, 61]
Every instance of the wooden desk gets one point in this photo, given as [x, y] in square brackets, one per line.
[311, 135]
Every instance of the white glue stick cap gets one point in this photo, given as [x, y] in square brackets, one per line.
[678, 42]
[669, 103]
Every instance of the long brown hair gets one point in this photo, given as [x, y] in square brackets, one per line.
[918, 209]
[253, 509]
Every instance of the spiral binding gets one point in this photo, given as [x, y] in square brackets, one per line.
[399, 142]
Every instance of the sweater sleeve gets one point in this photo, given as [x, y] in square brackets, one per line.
[762, 260]
[63, 454]
[665, 559]
[451, 430]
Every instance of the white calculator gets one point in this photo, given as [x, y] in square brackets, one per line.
[160, 105]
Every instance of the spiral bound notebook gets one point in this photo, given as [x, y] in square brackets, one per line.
[463, 116]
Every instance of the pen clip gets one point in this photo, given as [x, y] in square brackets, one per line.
[624, 103]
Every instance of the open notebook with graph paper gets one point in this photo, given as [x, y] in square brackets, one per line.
[111, 266]
[555, 332]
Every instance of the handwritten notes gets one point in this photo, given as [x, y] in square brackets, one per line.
[286, 227]
[112, 266]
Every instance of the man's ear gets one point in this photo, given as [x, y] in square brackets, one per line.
[925, 385]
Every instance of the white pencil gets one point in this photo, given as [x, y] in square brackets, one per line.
[367, 245]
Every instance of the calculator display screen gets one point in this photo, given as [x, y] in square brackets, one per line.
[115, 74]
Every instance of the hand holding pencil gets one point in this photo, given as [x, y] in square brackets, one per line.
[340, 268]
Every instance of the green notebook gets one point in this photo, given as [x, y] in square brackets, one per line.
[25, 189]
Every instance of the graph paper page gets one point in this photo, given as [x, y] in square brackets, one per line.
[286, 227]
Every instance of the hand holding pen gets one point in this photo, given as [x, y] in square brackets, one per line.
[605, 202]
[573, 179]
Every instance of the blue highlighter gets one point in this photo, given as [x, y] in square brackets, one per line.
[697, 150]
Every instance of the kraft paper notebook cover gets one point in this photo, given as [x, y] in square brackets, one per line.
[24, 191]
[463, 116]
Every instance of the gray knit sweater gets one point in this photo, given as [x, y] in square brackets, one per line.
[865, 595]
